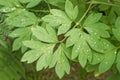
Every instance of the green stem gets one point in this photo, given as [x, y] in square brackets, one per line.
[78, 23]
[104, 3]
[48, 5]
[44, 11]
[83, 16]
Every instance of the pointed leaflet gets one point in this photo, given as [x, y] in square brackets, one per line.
[71, 11]
[9, 5]
[20, 34]
[97, 31]
[21, 18]
[92, 18]
[60, 60]
[82, 50]
[57, 3]
[116, 30]
[96, 58]
[99, 44]
[41, 51]
[108, 61]
[73, 36]
[101, 32]
[58, 19]
[30, 3]
[47, 34]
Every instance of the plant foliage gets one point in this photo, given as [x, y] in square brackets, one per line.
[64, 31]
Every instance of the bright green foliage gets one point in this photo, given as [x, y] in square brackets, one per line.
[40, 51]
[58, 3]
[108, 61]
[43, 52]
[21, 18]
[116, 30]
[89, 37]
[70, 10]
[60, 19]
[9, 3]
[20, 34]
[62, 64]
[63, 32]
[45, 35]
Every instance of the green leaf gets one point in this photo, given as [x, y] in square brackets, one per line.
[97, 58]
[9, 3]
[9, 64]
[21, 18]
[28, 56]
[93, 29]
[116, 30]
[60, 60]
[71, 11]
[45, 35]
[42, 53]
[108, 61]
[82, 50]
[58, 19]
[58, 3]
[73, 36]
[89, 38]
[118, 61]
[20, 34]
[44, 60]
[63, 28]
[30, 3]
[99, 44]
[92, 18]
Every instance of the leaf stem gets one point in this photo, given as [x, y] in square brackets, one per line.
[83, 16]
[49, 8]
[104, 3]
[44, 11]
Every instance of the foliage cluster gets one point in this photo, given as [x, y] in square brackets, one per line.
[56, 33]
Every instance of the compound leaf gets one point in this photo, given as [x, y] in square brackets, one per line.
[71, 11]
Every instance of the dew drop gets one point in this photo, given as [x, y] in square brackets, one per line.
[95, 33]
[78, 48]
[17, 5]
[106, 62]
[115, 52]
[87, 50]
[99, 59]
[4, 10]
[13, 9]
